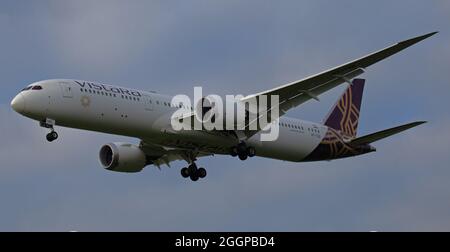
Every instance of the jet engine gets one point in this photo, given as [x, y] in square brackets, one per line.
[122, 157]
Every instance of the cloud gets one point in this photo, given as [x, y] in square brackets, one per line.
[102, 36]
[299, 193]
[229, 47]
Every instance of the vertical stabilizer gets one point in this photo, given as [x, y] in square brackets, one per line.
[344, 115]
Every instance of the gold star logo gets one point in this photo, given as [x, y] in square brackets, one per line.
[85, 101]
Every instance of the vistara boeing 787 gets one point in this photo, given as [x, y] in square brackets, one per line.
[148, 116]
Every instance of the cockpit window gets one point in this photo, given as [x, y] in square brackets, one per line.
[37, 87]
[27, 88]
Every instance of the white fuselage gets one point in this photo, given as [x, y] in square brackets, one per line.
[147, 116]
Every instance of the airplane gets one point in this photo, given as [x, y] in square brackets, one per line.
[145, 115]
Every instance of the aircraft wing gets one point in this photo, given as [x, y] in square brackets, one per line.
[298, 92]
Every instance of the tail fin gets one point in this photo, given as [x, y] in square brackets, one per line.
[345, 113]
[384, 133]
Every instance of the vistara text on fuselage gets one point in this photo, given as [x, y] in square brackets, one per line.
[147, 116]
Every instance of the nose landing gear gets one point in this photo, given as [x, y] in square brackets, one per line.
[49, 123]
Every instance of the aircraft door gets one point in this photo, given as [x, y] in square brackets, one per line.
[66, 89]
[148, 103]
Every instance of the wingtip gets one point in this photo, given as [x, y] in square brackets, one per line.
[417, 39]
[418, 123]
[427, 35]
[430, 34]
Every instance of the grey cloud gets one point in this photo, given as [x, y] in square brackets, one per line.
[228, 47]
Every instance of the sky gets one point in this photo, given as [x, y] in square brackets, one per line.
[228, 47]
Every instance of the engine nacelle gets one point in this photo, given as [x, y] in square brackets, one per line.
[122, 157]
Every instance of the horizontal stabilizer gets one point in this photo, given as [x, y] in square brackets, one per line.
[384, 133]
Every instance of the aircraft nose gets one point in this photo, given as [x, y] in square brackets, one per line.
[18, 103]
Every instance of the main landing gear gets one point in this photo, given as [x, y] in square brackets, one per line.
[243, 151]
[193, 172]
[49, 123]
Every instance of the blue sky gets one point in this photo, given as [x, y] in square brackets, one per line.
[228, 47]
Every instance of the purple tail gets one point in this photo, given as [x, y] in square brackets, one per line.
[345, 113]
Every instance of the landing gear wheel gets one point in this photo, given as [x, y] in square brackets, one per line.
[49, 137]
[52, 136]
[251, 151]
[193, 172]
[243, 152]
[185, 172]
[192, 168]
[243, 156]
[234, 151]
[241, 148]
[194, 177]
[201, 172]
